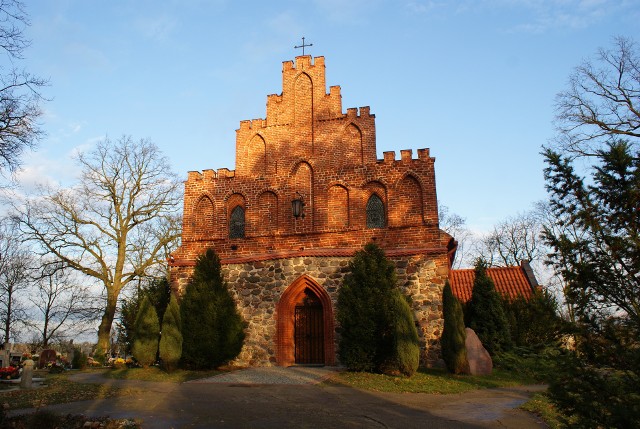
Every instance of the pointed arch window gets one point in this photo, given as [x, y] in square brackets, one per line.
[375, 212]
[236, 223]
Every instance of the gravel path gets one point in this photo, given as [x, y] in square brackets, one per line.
[273, 375]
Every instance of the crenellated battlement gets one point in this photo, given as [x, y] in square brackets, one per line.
[362, 112]
[406, 155]
[250, 124]
[210, 175]
[303, 62]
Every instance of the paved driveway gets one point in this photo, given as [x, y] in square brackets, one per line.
[239, 403]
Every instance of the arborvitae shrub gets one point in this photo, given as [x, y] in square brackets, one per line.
[535, 322]
[377, 330]
[171, 339]
[453, 338]
[407, 348]
[158, 290]
[147, 328]
[212, 328]
[486, 314]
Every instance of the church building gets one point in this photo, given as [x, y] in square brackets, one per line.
[307, 192]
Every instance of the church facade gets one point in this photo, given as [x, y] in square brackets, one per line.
[308, 192]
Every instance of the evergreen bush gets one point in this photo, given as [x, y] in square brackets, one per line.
[377, 330]
[171, 338]
[79, 360]
[407, 349]
[534, 322]
[158, 290]
[454, 351]
[486, 314]
[147, 328]
[213, 330]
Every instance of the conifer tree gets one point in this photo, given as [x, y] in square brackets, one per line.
[377, 326]
[147, 328]
[486, 314]
[406, 343]
[171, 339]
[213, 330]
[454, 351]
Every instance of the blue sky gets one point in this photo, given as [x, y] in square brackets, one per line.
[474, 81]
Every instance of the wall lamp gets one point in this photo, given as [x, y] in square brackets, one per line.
[297, 206]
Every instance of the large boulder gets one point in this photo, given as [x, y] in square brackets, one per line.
[480, 362]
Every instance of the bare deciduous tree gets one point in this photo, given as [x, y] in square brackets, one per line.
[115, 224]
[19, 90]
[456, 226]
[63, 305]
[14, 279]
[513, 240]
[602, 103]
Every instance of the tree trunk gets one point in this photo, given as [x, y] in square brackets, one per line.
[104, 330]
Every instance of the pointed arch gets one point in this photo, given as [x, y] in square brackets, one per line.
[267, 213]
[376, 213]
[301, 181]
[349, 147]
[285, 315]
[375, 205]
[408, 207]
[303, 101]
[202, 217]
[338, 207]
[257, 156]
[236, 215]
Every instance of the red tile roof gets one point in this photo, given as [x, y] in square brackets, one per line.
[510, 282]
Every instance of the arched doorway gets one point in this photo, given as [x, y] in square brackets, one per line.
[308, 330]
[305, 325]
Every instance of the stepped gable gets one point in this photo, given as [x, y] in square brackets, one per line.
[307, 148]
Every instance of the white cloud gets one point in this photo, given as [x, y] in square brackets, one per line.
[50, 168]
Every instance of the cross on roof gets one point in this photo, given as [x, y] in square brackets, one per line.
[303, 46]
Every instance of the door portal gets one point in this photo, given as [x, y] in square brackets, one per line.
[309, 330]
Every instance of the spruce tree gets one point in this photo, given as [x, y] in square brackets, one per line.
[454, 351]
[213, 330]
[486, 314]
[171, 339]
[147, 328]
[378, 333]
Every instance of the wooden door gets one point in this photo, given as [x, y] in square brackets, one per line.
[309, 333]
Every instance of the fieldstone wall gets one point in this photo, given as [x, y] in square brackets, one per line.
[258, 286]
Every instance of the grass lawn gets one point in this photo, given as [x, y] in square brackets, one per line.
[59, 389]
[541, 405]
[435, 381]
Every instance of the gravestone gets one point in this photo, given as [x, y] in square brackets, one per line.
[46, 356]
[26, 380]
[480, 362]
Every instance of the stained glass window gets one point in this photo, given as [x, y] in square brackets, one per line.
[375, 212]
[236, 224]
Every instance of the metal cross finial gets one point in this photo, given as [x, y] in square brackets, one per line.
[302, 46]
